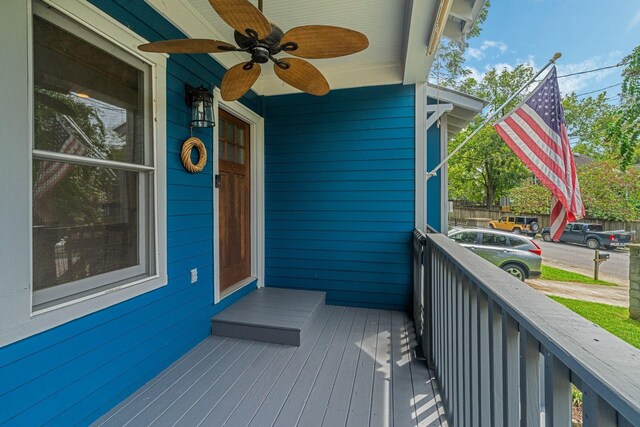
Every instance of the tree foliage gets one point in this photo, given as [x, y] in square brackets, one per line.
[625, 130]
[530, 198]
[588, 122]
[607, 193]
[486, 168]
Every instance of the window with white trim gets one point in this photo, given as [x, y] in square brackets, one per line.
[92, 211]
[92, 208]
[82, 172]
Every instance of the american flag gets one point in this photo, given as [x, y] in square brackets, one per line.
[51, 173]
[537, 133]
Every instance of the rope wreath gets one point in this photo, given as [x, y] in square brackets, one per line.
[185, 155]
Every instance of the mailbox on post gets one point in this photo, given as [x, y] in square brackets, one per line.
[597, 259]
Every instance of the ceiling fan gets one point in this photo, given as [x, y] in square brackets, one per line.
[263, 40]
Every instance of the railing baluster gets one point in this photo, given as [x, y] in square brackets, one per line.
[495, 344]
[451, 337]
[595, 411]
[529, 380]
[510, 370]
[557, 391]
[484, 370]
[459, 349]
[466, 351]
[474, 354]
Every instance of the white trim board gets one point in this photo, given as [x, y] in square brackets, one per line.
[256, 124]
[420, 152]
[444, 174]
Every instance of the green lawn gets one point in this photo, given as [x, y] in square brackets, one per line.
[613, 319]
[559, 275]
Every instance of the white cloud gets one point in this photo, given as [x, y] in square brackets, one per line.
[500, 67]
[475, 53]
[634, 21]
[480, 52]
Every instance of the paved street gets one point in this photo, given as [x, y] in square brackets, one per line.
[580, 259]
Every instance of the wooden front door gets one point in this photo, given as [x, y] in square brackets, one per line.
[234, 199]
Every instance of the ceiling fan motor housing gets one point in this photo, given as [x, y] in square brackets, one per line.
[260, 50]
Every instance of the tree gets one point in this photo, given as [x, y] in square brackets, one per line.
[625, 130]
[588, 122]
[486, 168]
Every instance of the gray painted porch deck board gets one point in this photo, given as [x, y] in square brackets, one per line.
[355, 367]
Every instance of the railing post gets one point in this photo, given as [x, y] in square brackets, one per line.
[427, 304]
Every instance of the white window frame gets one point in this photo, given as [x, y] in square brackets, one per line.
[18, 319]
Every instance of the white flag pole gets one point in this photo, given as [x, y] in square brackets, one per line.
[435, 170]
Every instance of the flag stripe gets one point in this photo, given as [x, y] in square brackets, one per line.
[546, 142]
[540, 170]
[547, 134]
[535, 154]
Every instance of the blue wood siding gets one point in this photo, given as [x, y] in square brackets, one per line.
[434, 196]
[76, 372]
[339, 196]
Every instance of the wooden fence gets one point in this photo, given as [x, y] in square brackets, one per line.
[478, 216]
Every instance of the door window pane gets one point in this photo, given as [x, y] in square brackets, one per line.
[228, 132]
[85, 222]
[100, 97]
[240, 137]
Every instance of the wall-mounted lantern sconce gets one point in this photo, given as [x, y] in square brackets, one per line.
[201, 102]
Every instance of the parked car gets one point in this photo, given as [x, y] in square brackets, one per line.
[592, 235]
[519, 256]
[517, 224]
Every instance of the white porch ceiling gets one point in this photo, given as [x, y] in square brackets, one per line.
[398, 32]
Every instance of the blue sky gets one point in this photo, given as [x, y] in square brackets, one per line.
[589, 33]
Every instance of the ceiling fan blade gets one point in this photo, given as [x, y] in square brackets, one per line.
[324, 41]
[237, 81]
[241, 15]
[188, 46]
[302, 75]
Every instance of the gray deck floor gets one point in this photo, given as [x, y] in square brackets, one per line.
[355, 369]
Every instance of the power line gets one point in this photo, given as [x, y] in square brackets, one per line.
[599, 90]
[593, 70]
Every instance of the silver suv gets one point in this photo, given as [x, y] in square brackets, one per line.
[517, 255]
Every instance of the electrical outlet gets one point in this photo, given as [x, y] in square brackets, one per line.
[194, 275]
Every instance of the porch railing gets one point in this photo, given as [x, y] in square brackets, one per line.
[505, 354]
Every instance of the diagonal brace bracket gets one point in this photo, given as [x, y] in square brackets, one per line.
[436, 111]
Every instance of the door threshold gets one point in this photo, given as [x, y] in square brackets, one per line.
[241, 284]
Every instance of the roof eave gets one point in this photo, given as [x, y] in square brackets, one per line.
[429, 21]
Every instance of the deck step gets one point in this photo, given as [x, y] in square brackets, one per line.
[274, 315]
